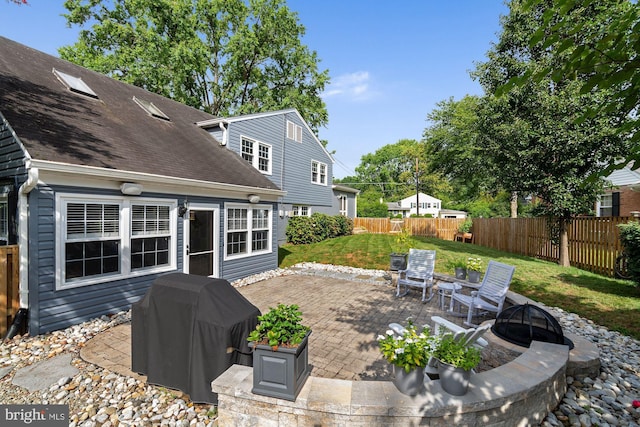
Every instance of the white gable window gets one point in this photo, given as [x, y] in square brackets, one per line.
[300, 210]
[318, 172]
[294, 131]
[108, 238]
[257, 153]
[248, 230]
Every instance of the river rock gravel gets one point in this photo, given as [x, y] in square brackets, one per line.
[98, 397]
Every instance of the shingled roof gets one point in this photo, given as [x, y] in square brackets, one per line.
[111, 131]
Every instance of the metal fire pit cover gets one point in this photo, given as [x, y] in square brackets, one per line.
[521, 324]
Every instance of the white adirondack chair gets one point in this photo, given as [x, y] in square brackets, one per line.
[418, 274]
[489, 297]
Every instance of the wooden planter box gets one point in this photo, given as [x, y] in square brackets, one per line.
[281, 373]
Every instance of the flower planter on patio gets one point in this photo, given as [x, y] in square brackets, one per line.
[280, 373]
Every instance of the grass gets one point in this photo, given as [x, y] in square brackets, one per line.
[609, 302]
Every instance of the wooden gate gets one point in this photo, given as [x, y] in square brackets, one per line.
[9, 286]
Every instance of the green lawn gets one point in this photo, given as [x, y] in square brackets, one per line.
[608, 302]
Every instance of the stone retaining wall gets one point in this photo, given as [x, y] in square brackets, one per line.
[519, 393]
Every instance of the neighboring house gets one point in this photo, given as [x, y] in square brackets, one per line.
[282, 147]
[104, 186]
[623, 198]
[424, 205]
[345, 200]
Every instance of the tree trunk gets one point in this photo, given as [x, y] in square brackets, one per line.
[514, 204]
[563, 225]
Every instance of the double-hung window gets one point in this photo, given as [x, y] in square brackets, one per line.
[92, 240]
[150, 235]
[258, 154]
[248, 229]
[300, 210]
[318, 172]
[107, 238]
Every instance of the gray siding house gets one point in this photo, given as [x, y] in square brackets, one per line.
[106, 186]
[282, 147]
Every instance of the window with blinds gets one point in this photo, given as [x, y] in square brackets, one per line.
[294, 131]
[150, 236]
[104, 238]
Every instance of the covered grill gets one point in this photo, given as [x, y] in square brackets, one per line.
[184, 330]
[521, 324]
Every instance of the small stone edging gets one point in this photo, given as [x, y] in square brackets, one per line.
[519, 393]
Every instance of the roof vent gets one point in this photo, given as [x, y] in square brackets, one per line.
[74, 84]
[521, 324]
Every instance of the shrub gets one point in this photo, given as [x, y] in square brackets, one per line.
[630, 238]
[317, 227]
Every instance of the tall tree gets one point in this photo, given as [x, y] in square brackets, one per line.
[532, 131]
[227, 57]
[603, 53]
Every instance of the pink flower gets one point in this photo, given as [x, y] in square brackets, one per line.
[636, 403]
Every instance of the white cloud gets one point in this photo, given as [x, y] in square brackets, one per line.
[352, 85]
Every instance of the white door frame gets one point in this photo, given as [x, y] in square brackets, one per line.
[216, 235]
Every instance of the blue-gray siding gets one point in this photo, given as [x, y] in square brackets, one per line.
[52, 309]
[12, 157]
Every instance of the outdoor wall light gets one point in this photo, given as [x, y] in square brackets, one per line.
[131, 189]
[182, 210]
[254, 198]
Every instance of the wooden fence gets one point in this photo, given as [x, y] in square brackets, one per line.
[9, 286]
[594, 243]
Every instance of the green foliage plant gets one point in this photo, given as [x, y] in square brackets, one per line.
[409, 351]
[280, 327]
[457, 263]
[465, 226]
[402, 241]
[448, 350]
[630, 237]
[474, 264]
[317, 227]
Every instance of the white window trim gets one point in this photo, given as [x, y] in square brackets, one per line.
[297, 210]
[297, 131]
[256, 154]
[250, 252]
[326, 173]
[62, 199]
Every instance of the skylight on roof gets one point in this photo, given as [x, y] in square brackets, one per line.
[151, 109]
[75, 84]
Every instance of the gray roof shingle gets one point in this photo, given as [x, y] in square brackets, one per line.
[112, 131]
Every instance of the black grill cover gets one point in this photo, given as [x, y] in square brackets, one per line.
[181, 329]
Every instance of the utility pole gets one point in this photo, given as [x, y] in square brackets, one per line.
[417, 191]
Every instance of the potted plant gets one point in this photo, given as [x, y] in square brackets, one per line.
[464, 230]
[474, 269]
[280, 352]
[459, 266]
[455, 361]
[408, 352]
[401, 247]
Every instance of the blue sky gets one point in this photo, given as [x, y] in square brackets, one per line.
[389, 62]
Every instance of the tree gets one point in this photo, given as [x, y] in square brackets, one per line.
[399, 170]
[532, 131]
[226, 57]
[602, 52]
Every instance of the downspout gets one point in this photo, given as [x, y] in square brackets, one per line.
[20, 318]
[225, 135]
[23, 233]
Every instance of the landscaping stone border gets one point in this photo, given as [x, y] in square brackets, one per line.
[519, 393]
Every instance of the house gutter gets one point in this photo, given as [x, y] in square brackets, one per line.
[23, 232]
